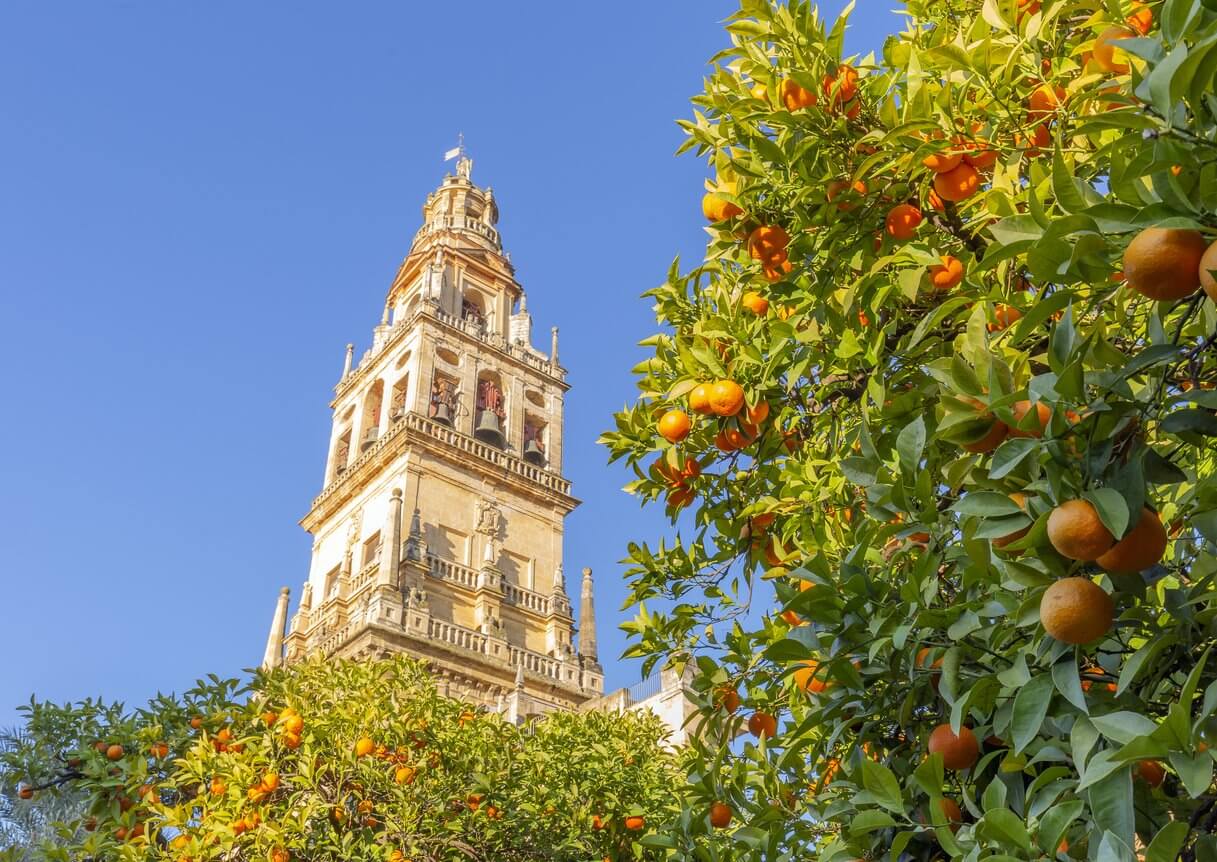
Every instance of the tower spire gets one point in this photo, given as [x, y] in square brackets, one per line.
[587, 619]
[274, 641]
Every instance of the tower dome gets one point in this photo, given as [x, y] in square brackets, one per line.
[460, 207]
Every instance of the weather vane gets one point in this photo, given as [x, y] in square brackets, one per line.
[464, 164]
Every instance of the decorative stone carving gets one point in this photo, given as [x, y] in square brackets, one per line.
[354, 528]
[489, 518]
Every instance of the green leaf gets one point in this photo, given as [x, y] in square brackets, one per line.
[910, 443]
[882, 783]
[869, 821]
[1065, 676]
[1191, 422]
[1168, 842]
[1112, 509]
[1006, 826]
[1055, 821]
[986, 504]
[1123, 726]
[1030, 707]
[1010, 454]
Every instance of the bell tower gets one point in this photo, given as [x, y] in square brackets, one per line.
[438, 529]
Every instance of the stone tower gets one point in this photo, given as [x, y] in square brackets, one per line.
[438, 529]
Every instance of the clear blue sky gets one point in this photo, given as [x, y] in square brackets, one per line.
[200, 206]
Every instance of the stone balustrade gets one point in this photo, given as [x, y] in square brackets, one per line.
[451, 437]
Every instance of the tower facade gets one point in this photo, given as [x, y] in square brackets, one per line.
[438, 529]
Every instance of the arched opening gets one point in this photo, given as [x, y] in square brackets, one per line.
[443, 403]
[490, 417]
[397, 400]
[371, 415]
[536, 433]
[342, 454]
[473, 308]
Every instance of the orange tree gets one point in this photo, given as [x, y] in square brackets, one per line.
[338, 761]
[941, 398]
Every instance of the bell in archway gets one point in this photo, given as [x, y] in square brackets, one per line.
[443, 414]
[488, 429]
[533, 453]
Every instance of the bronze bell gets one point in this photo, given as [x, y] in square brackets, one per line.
[443, 414]
[488, 429]
[533, 453]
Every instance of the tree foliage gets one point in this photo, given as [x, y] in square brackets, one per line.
[952, 365]
[331, 760]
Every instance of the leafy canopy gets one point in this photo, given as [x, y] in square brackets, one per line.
[337, 760]
[919, 274]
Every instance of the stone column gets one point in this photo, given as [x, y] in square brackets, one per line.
[390, 542]
[273, 656]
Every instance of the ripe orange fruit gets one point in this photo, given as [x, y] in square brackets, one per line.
[597, 822]
[806, 679]
[768, 242]
[726, 397]
[729, 700]
[957, 184]
[935, 202]
[1044, 101]
[279, 854]
[1040, 139]
[1021, 499]
[364, 746]
[755, 416]
[1142, 547]
[958, 752]
[791, 619]
[947, 274]
[923, 654]
[755, 303]
[1141, 19]
[674, 426]
[1004, 316]
[1105, 51]
[838, 187]
[1164, 263]
[1034, 427]
[762, 724]
[841, 86]
[291, 740]
[1075, 530]
[795, 97]
[993, 437]
[699, 399]
[1076, 611]
[1150, 771]
[25, 792]
[902, 221]
[158, 750]
[293, 724]
[218, 787]
[114, 752]
[715, 209]
[951, 811]
[942, 162]
[720, 815]
[635, 822]
[1208, 263]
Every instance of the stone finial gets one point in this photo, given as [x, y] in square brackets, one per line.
[273, 656]
[553, 345]
[587, 618]
[346, 365]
